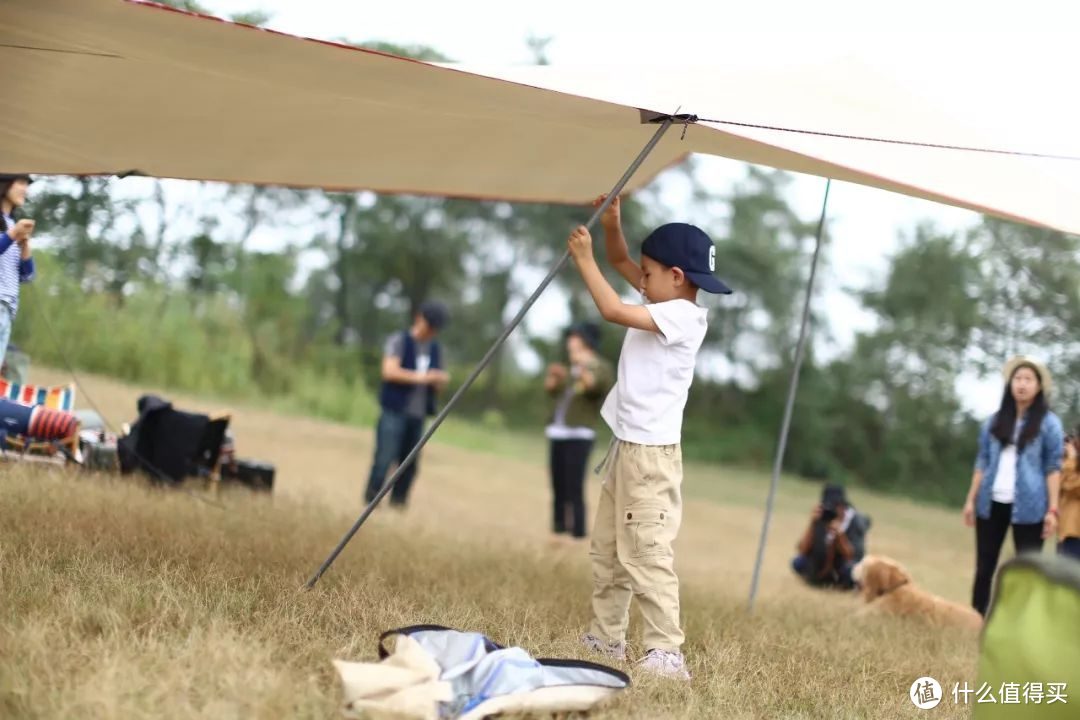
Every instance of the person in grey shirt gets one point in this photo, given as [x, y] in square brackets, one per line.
[412, 375]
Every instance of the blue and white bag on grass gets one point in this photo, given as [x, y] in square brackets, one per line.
[435, 673]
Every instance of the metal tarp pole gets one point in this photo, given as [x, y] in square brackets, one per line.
[793, 386]
[389, 484]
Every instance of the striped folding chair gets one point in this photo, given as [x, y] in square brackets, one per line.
[51, 428]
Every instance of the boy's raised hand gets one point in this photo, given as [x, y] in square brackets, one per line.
[611, 217]
[580, 243]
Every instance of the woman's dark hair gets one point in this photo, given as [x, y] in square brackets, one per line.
[6, 181]
[5, 185]
[589, 332]
[1005, 418]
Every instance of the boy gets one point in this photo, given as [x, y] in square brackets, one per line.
[16, 260]
[640, 507]
[412, 375]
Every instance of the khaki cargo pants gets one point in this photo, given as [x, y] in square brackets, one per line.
[637, 519]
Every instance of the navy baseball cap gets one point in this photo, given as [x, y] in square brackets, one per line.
[688, 248]
[12, 177]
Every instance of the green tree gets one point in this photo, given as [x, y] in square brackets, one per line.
[258, 18]
[765, 256]
[93, 232]
[1029, 302]
[927, 310]
[416, 52]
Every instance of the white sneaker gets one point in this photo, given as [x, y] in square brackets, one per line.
[615, 651]
[665, 663]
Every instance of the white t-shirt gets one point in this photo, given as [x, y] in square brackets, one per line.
[654, 375]
[1005, 479]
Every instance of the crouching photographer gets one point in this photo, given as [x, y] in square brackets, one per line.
[834, 541]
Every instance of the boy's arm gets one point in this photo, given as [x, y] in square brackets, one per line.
[618, 253]
[607, 300]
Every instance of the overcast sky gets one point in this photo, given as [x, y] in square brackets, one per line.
[1011, 65]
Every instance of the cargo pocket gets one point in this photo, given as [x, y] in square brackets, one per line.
[645, 530]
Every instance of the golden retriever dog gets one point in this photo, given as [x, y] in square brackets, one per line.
[888, 588]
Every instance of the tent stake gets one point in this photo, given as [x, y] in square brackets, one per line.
[793, 386]
[389, 484]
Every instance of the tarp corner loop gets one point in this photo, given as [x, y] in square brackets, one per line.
[684, 119]
[653, 117]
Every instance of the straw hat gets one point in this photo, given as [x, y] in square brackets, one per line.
[1045, 378]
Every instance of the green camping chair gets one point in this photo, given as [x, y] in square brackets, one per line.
[1030, 658]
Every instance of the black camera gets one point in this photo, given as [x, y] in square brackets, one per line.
[832, 497]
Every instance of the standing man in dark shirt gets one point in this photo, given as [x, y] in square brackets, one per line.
[412, 375]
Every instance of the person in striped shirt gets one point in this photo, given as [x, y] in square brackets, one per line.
[16, 261]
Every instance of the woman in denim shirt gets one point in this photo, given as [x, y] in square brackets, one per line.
[1017, 473]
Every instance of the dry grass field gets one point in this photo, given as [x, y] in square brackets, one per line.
[118, 601]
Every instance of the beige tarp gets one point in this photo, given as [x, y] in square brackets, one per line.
[115, 86]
